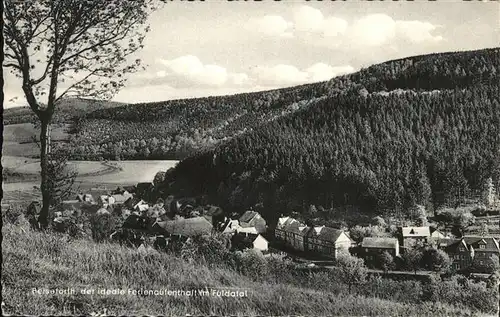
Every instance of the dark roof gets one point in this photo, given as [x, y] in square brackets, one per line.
[213, 211]
[379, 243]
[476, 241]
[242, 240]
[248, 216]
[130, 189]
[144, 186]
[329, 234]
[294, 226]
[447, 243]
[135, 222]
[117, 191]
[186, 227]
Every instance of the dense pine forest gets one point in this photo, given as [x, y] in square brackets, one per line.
[422, 130]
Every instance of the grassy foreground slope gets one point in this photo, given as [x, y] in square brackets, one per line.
[43, 260]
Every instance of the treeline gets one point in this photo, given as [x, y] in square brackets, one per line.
[380, 151]
[68, 110]
[185, 127]
[432, 72]
[176, 129]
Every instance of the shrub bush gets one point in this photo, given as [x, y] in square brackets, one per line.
[102, 226]
[12, 214]
[252, 263]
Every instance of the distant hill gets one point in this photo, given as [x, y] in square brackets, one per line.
[68, 110]
[421, 130]
[178, 128]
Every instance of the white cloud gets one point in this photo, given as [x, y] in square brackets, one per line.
[333, 26]
[271, 25]
[417, 31]
[381, 29]
[161, 73]
[189, 71]
[279, 75]
[373, 30]
[239, 79]
[322, 71]
[308, 19]
[282, 75]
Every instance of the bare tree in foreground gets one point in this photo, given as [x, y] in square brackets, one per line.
[62, 48]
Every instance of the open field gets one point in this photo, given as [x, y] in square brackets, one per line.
[50, 261]
[129, 172]
[26, 132]
[93, 176]
[20, 139]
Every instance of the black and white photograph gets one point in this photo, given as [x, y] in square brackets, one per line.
[250, 158]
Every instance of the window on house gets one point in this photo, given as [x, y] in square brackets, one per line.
[482, 246]
[457, 257]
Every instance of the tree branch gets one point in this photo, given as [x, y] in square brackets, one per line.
[76, 84]
[12, 65]
[116, 37]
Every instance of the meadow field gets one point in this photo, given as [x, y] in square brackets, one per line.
[49, 261]
[93, 177]
[129, 172]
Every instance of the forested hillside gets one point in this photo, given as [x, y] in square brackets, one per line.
[175, 129]
[423, 130]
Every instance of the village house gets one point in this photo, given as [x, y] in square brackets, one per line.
[105, 200]
[372, 248]
[473, 253]
[121, 198]
[119, 191]
[410, 236]
[229, 226]
[437, 235]
[245, 240]
[327, 241]
[253, 219]
[246, 230]
[483, 250]
[459, 253]
[87, 198]
[141, 206]
[214, 215]
[291, 232]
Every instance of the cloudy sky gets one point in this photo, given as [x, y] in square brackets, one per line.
[216, 47]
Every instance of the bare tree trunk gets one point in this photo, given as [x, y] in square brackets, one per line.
[44, 162]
